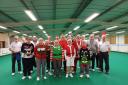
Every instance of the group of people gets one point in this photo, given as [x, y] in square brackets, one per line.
[64, 54]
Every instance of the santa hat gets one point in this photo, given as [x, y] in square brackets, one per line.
[103, 34]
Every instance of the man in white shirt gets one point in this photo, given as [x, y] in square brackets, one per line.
[15, 48]
[104, 49]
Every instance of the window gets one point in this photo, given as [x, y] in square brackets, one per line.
[126, 39]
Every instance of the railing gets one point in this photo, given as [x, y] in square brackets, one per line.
[4, 51]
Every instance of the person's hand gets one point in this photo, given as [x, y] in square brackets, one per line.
[66, 58]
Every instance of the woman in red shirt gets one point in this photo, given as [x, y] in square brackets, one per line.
[40, 54]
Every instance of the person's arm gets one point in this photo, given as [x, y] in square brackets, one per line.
[97, 48]
[65, 54]
[22, 48]
[10, 47]
[32, 48]
[108, 47]
[80, 53]
[35, 51]
[74, 53]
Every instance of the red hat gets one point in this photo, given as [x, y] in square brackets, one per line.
[103, 34]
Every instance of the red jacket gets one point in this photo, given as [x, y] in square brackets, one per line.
[63, 43]
[77, 43]
[69, 52]
[40, 51]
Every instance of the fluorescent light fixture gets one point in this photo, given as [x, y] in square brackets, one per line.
[76, 28]
[25, 34]
[90, 18]
[44, 32]
[95, 32]
[86, 34]
[41, 27]
[66, 34]
[30, 15]
[70, 32]
[120, 32]
[111, 27]
[16, 31]
[3, 27]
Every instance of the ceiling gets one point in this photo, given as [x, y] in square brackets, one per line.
[61, 16]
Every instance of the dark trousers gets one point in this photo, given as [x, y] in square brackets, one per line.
[57, 67]
[48, 60]
[33, 62]
[93, 60]
[98, 60]
[27, 64]
[14, 61]
[64, 64]
[105, 58]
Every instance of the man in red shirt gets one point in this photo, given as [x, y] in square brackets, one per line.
[63, 44]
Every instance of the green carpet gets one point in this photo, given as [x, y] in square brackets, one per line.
[118, 74]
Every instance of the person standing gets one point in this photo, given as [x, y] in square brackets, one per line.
[70, 54]
[48, 50]
[34, 42]
[57, 57]
[84, 60]
[104, 50]
[98, 56]
[15, 48]
[27, 50]
[77, 45]
[93, 47]
[40, 54]
[63, 44]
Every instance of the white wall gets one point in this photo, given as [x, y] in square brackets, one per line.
[120, 46]
[5, 37]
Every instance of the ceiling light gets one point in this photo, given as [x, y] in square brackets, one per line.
[25, 34]
[70, 32]
[90, 18]
[86, 34]
[120, 32]
[16, 31]
[44, 32]
[111, 27]
[76, 28]
[30, 15]
[41, 27]
[66, 34]
[96, 32]
[3, 27]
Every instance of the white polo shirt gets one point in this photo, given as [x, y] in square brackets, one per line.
[104, 46]
[16, 46]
